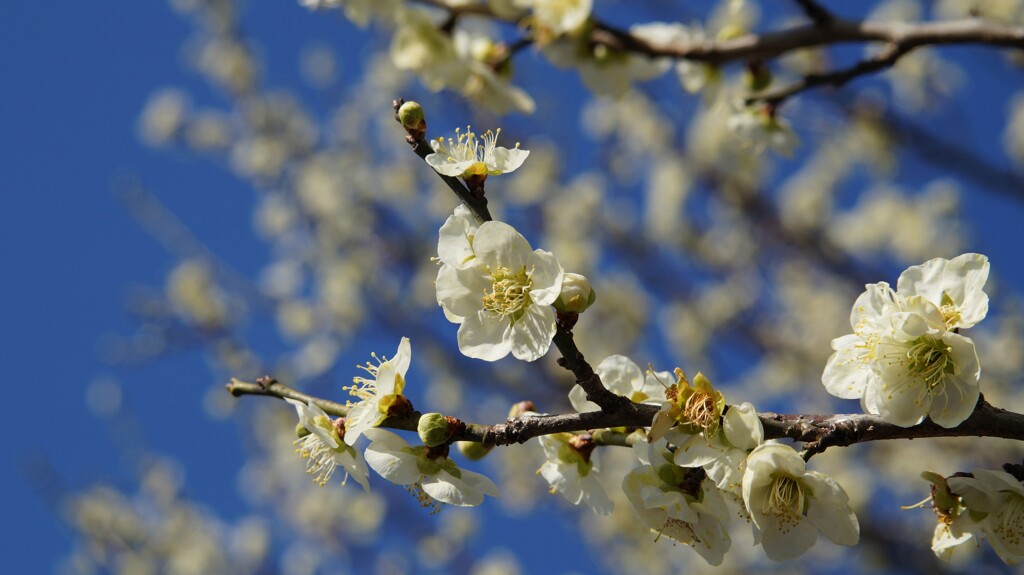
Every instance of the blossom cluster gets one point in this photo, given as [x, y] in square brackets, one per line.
[906, 358]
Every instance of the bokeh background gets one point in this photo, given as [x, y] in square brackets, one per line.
[191, 194]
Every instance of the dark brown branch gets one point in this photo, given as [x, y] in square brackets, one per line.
[816, 12]
[884, 59]
[817, 432]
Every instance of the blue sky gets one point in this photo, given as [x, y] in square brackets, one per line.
[75, 77]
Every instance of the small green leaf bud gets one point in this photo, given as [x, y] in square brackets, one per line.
[434, 429]
[577, 294]
[472, 450]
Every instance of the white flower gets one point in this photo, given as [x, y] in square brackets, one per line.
[571, 471]
[469, 154]
[606, 71]
[558, 16]
[955, 286]
[501, 296]
[623, 377]
[760, 130]
[902, 362]
[678, 504]
[998, 498]
[789, 505]
[429, 475]
[358, 11]
[723, 456]
[324, 448]
[377, 397]
[952, 534]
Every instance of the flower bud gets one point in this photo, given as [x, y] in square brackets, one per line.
[472, 450]
[411, 115]
[434, 429]
[576, 295]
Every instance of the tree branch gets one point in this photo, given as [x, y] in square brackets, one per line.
[817, 432]
[816, 12]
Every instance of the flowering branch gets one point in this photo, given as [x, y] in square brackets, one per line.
[817, 432]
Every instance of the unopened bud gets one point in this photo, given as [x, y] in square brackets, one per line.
[577, 294]
[412, 118]
[472, 450]
[521, 408]
[433, 429]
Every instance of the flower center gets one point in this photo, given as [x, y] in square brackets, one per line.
[931, 360]
[320, 458]
[510, 292]
[1009, 523]
[785, 500]
[700, 410]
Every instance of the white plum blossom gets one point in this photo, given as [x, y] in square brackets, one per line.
[997, 499]
[427, 473]
[471, 155]
[571, 471]
[377, 397]
[324, 448]
[722, 455]
[358, 11]
[789, 505]
[759, 130]
[623, 377]
[678, 503]
[558, 16]
[955, 286]
[902, 362]
[501, 295]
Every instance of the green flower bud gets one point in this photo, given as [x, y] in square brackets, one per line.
[434, 429]
[411, 115]
[577, 294]
[472, 450]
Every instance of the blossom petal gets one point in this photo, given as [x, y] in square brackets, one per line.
[829, 509]
[402, 358]
[387, 456]
[461, 292]
[579, 401]
[485, 336]
[508, 160]
[782, 542]
[480, 483]
[498, 244]
[620, 375]
[846, 375]
[531, 336]
[546, 275]
[742, 427]
[959, 392]
[448, 489]
[454, 243]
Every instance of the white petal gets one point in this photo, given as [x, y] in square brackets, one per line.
[499, 244]
[485, 336]
[453, 243]
[441, 164]
[694, 450]
[829, 509]
[394, 465]
[480, 483]
[579, 401]
[508, 160]
[742, 427]
[959, 392]
[355, 465]
[620, 375]
[901, 399]
[782, 543]
[448, 489]
[546, 274]
[531, 336]
[461, 292]
[402, 358]
[846, 375]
